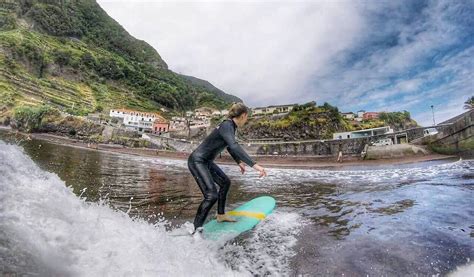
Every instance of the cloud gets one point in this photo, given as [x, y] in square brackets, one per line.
[379, 55]
[262, 52]
[415, 56]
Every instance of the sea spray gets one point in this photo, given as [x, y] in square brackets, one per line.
[45, 229]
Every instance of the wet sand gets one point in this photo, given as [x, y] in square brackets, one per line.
[302, 162]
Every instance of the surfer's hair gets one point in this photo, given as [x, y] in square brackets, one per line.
[237, 109]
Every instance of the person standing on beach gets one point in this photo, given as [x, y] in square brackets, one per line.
[339, 153]
[207, 174]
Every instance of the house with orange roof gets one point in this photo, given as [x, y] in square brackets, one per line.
[137, 120]
[160, 126]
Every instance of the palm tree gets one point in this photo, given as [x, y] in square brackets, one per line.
[469, 104]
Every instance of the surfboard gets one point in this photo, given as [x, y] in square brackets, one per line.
[247, 215]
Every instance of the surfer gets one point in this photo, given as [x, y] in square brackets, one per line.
[207, 174]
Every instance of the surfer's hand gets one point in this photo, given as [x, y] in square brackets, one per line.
[242, 167]
[260, 169]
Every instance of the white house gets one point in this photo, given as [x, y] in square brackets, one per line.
[273, 109]
[216, 113]
[136, 120]
[203, 112]
[363, 133]
[349, 115]
[224, 112]
[360, 115]
[195, 123]
[119, 113]
[178, 126]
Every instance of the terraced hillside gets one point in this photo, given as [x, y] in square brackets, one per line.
[73, 56]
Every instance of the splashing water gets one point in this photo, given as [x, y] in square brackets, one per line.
[46, 229]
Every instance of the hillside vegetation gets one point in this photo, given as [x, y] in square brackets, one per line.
[71, 55]
[309, 121]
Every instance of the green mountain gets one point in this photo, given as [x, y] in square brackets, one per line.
[71, 55]
[205, 85]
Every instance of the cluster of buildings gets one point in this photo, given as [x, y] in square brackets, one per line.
[141, 121]
[361, 115]
[154, 123]
[201, 118]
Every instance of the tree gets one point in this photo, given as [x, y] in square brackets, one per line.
[469, 104]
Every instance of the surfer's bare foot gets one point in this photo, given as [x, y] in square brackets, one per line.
[197, 231]
[225, 218]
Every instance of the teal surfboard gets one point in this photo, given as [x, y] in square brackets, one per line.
[248, 215]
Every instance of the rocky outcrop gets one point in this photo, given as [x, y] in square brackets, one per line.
[307, 130]
[73, 127]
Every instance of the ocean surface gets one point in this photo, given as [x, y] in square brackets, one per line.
[67, 211]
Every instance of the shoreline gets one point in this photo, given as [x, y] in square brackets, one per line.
[296, 162]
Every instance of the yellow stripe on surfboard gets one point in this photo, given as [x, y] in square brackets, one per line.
[259, 216]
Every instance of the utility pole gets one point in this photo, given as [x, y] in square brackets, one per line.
[432, 110]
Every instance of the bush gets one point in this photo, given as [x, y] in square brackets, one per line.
[62, 58]
[29, 119]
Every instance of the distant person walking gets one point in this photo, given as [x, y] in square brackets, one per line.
[339, 153]
[207, 174]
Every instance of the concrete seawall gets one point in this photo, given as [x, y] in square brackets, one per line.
[394, 151]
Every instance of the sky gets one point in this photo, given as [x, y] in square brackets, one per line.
[367, 55]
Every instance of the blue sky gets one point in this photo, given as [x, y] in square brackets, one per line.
[370, 55]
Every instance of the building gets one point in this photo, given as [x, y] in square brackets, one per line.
[160, 126]
[136, 120]
[370, 115]
[95, 117]
[363, 133]
[118, 113]
[197, 123]
[224, 112]
[360, 115]
[204, 112]
[273, 109]
[349, 115]
[176, 126]
[216, 113]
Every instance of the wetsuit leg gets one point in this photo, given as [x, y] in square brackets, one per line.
[224, 183]
[200, 172]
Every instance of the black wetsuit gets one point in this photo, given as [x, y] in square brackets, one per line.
[207, 173]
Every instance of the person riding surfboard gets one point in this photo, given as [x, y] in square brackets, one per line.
[207, 174]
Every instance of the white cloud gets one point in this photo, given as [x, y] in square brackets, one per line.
[265, 53]
[282, 52]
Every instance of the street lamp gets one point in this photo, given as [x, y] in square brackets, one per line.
[432, 110]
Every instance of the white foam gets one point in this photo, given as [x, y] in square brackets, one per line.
[267, 250]
[48, 230]
[463, 271]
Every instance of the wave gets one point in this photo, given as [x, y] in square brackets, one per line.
[45, 229]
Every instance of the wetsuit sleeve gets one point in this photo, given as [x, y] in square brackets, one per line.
[237, 152]
[236, 159]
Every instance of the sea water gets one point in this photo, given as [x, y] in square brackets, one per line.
[67, 211]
